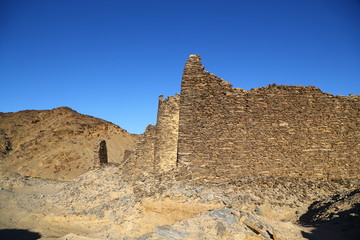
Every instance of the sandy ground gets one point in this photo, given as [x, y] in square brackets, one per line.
[100, 205]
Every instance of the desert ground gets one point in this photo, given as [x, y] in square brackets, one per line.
[99, 204]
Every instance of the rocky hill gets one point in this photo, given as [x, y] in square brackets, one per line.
[58, 143]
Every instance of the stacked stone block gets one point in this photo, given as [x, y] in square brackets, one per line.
[140, 161]
[103, 156]
[167, 129]
[281, 130]
[214, 131]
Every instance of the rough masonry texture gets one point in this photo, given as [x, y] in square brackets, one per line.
[215, 131]
[103, 157]
[156, 152]
[167, 130]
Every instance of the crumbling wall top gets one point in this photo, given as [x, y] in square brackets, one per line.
[193, 65]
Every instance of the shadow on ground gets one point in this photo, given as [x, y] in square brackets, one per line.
[330, 222]
[12, 234]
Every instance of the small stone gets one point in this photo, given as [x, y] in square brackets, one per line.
[258, 211]
[169, 233]
[224, 215]
[220, 229]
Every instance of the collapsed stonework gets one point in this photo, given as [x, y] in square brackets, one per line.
[156, 152]
[212, 130]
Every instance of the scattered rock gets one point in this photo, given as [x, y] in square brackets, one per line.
[169, 233]
[101, 205]
[220, 229]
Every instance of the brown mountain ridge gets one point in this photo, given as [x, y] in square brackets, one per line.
[59, 143]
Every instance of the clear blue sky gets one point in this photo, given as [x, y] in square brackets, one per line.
[112, 59]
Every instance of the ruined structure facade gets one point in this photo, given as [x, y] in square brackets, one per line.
[212, 130]
[167, 132]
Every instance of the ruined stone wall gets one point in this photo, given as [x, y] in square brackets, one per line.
[139, 162]
[156, 152]
[103, 156]
[166, 139]
[282, 130]
[5, 144]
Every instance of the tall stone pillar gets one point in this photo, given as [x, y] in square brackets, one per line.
[103, 157]
[167, 129]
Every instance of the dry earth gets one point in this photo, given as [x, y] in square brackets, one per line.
[101, 205]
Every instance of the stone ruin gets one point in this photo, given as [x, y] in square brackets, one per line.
[5, 144]
[214, 131]
[103, 157]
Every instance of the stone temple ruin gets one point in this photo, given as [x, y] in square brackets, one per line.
[214, 131]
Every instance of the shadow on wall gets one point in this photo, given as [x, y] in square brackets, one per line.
[22, 234]
[330, 222]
